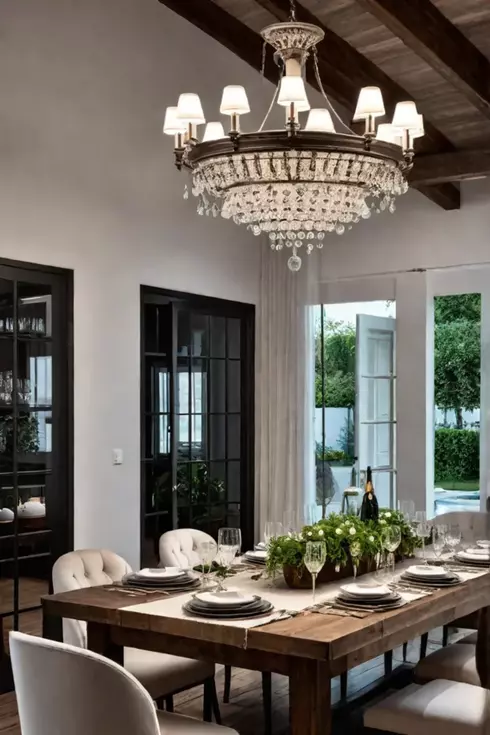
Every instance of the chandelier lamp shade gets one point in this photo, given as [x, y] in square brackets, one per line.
[297, 184]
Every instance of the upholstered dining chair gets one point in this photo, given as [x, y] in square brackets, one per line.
[441, 706]
[66, 690]
[162, 674]
[179, 548]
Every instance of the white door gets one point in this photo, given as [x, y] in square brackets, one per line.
[375, 403]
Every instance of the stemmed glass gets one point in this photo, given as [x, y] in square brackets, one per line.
[407, 509]
[207, 551]
[391, 538]
[453, 536]
[438, 541]
[273, 529]
[315, 556]
[422, 529]
[229, 545]
[290, 521]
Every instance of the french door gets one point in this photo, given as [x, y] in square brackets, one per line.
[35, 443]
[197, 416]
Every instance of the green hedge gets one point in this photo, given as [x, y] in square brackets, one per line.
[457, 454]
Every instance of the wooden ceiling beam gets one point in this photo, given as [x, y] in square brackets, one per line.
[455, 166]
[343, 69]
[426, 31]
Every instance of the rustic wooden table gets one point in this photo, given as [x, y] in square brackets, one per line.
[310, 649]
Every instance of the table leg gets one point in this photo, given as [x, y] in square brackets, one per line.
[483, 648]
[309, 698]
[99, 640]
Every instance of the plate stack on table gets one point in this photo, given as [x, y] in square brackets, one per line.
[475, 557]
[368, 596]
[425, 575]
[258, 557]
[227, 604]
[167, 579]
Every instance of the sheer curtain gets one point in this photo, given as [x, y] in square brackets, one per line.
[285, 447]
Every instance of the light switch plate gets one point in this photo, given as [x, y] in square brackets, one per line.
[117, 456]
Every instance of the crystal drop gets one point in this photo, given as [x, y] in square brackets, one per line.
[340, 229]
[366, 214]
[321, 236]
[301, 235]
[310, 236]
[297, 244]
[294, 263]
[256, 230]
[272, 236]
[186, 192]
[392, 206]
[319, 245]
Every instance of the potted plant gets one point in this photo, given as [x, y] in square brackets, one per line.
[349, 543]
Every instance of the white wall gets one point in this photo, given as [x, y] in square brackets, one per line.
[87, 182]
[418, 235]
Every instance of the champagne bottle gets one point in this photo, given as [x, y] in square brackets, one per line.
[369, 507]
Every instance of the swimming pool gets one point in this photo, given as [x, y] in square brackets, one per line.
[447, 501]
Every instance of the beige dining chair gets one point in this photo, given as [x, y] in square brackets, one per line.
[441, 706]
[66, 690]
[180, 548]
[162, 674]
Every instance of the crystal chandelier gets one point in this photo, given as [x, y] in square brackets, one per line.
[296, 184]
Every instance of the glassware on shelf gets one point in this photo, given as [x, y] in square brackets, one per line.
[315, 556]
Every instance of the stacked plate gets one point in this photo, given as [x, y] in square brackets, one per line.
[227, 605]
[425, 575]
[478, 556]
[168, 579]
[371, 596]
[258, 556]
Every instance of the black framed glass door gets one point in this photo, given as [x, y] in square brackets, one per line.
[35, 442]
[197, 427]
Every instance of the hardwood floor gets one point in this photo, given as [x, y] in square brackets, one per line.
[244, 712]
[30, 592]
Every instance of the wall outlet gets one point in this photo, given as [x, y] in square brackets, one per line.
[117, 456]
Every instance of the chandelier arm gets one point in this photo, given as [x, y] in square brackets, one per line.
[319, 81]
[276, 92]
[292, 10]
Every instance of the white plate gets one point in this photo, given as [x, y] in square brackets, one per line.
[259, 555]
[366, 590]
[166, 573]
[478, 550]
[473, 557]
[483, 544]
[420, 570]
[223, 598]
[260, 546]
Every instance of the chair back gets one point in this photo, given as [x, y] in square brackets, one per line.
[473, 524]
[178, 548]
[85, 568]
[64, 690]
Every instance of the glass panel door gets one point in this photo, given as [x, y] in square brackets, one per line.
[35, 525]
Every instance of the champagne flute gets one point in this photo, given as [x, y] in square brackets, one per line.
[421, 529]
[407, 509]
[391, 539]
[438, 541]
[453, 536]
[315, 556]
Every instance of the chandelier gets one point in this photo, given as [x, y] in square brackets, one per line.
[296, 184]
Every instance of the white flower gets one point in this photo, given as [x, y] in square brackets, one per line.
[371, 538]
[381, 520]
[352, 531]
[338, 531]
[387, 515]
[310, 533]
[320, 532]
[300, 537]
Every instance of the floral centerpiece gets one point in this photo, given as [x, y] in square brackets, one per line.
[349, 543]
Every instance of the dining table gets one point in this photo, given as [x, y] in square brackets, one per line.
[309, 644]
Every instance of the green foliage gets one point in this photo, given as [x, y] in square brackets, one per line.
[333, 455]
[340, 390]
[344, 537]
[457, 366]
[27, 434]
[465, 307]
[339, 360]
[457, 454]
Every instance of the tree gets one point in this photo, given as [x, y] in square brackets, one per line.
[338, 365]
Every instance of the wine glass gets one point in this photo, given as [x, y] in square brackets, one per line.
[391, 539]
[407, 509]
[315, 556]
[273, 529]
[207, 551]
[229, 544]
[290, 521]
[453, 536]
[421, 529]
[438, 541]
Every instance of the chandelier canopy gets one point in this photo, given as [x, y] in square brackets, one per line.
[296, 184]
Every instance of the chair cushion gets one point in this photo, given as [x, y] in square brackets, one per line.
[171, 724]
[162, 674]
[456, 663]
[177, 548]
[440, 706]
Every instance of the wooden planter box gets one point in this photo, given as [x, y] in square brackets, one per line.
[300, 578]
